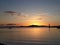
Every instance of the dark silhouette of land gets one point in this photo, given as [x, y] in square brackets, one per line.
[14, 26]
[58, 27]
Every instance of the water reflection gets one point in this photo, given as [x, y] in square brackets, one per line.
[37, 35]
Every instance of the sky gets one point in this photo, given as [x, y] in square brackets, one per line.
[30, 12]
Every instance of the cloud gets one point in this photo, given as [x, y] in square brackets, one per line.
[20, 14]
[10, 12]
[11, 24]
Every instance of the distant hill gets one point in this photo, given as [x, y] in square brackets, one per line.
[36, 26]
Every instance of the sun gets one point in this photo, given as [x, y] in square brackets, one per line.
[34, 23]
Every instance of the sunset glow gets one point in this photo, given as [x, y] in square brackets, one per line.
[30, 12]
[35, 22]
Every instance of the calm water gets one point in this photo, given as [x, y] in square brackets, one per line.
[30, 36]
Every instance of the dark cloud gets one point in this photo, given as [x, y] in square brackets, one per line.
[39, 18]
[11, 24]
[19, 14]
[15, 13]
[22, 15]
[10, 12]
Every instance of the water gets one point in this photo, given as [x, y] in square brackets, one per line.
[30, 36]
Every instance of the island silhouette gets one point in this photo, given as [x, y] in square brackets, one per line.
[15, 26]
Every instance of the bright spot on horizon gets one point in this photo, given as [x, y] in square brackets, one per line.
[34, 22]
